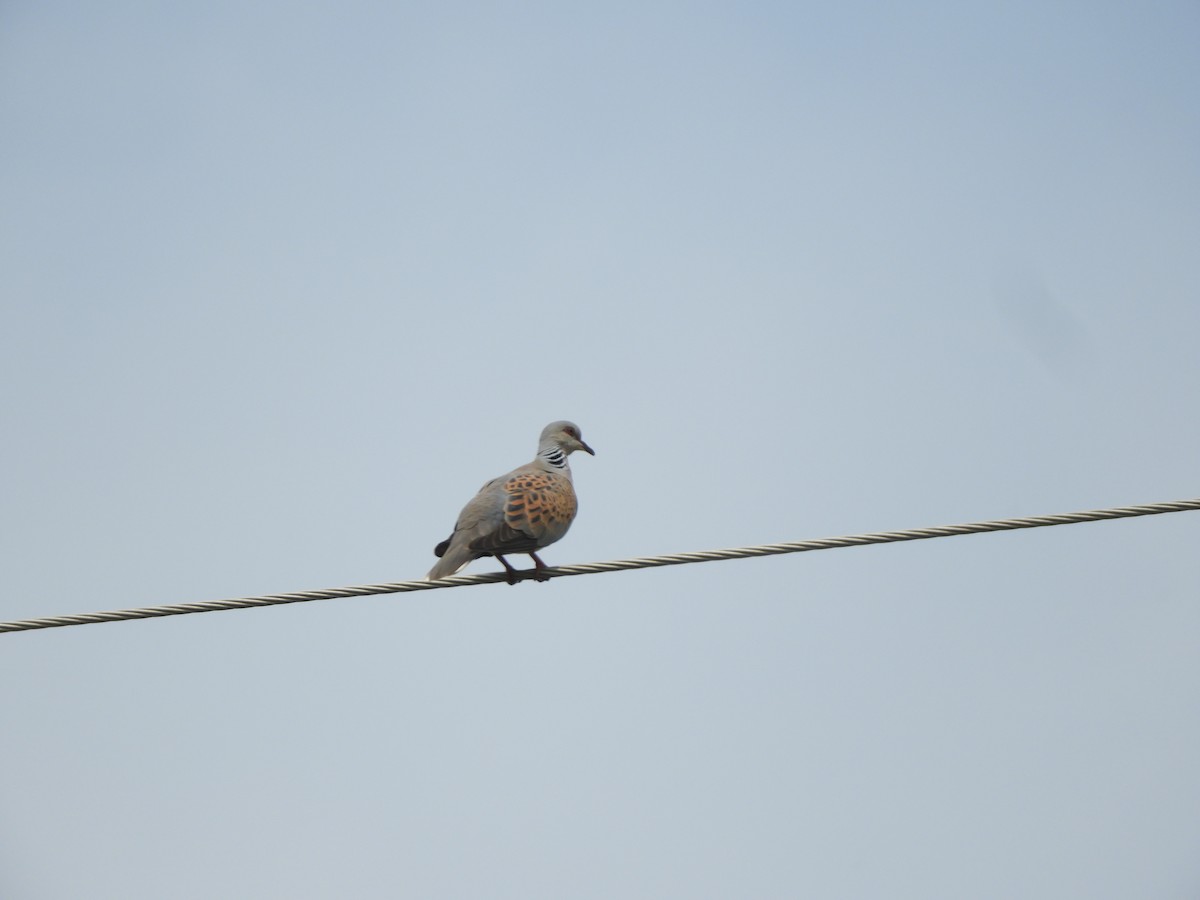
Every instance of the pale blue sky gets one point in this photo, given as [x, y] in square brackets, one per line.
[282, 284]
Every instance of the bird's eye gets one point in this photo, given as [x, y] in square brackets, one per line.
[571, 432]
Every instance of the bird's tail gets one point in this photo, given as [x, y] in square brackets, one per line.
[453, 559]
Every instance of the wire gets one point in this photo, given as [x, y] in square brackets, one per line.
[643, 562]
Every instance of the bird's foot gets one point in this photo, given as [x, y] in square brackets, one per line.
[537, 573]
[516, 575]
[511, 575]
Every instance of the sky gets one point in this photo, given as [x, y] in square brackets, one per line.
[282, 284]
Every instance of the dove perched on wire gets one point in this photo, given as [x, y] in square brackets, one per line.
[522, 512]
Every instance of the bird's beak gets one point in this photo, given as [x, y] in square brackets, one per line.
[586, 448]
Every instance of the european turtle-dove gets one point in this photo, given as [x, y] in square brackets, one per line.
[521, 512]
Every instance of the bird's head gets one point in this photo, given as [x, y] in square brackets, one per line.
[566, 435]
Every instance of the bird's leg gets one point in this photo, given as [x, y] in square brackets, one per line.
[513, 576]
[538, 566]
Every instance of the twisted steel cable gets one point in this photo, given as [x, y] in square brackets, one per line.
[642, 562]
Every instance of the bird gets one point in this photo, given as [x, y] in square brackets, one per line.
[522, 512]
